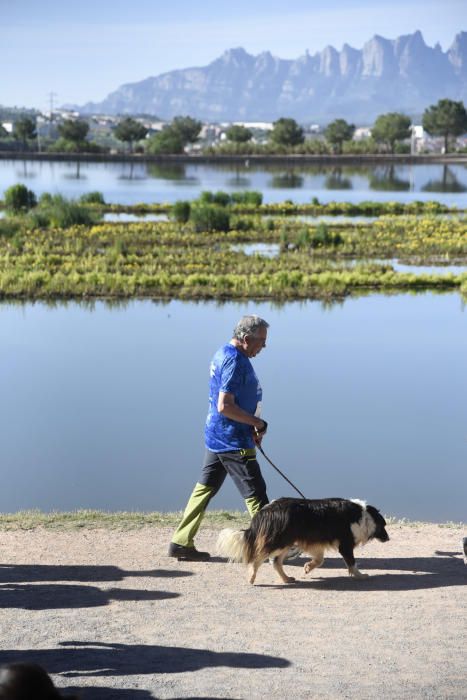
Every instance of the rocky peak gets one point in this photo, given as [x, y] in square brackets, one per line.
[378, 58]
[329, 61]
[457, 54]
[349, 60]
[237, 58]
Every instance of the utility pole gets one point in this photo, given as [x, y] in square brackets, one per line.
[51, 96]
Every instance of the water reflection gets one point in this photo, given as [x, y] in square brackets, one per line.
[25, 172]
[387, 180]
[448, 183]
[76, 175]
[167, 171]
[287, 181]
[129, 183]
[133, 171]
[337, 181]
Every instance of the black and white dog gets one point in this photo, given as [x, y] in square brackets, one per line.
[311, 525]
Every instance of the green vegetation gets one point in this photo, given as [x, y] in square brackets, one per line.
[49, 211]
[122, 520]
[286, 132]
[446, 118]
[239, 134]
[174, 137]
[18, 199]
[57, 249]
[181, 211]
[24, 129]
[337, 132]
[73, 133]
[127, 520]
[390, 129]
[197, 259]
[129, 131]
[209, 217]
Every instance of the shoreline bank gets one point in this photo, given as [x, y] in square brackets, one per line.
[248, 160]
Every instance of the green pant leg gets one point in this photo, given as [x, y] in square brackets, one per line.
[193, 515]
[253, 505]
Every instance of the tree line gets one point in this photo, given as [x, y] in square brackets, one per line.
[446, 119]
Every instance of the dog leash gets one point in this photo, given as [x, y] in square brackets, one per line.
[279, 471]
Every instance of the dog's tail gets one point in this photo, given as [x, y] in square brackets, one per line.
[234, 545]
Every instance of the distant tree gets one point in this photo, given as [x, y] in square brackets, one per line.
[187, 128]
[446, 118]
[3, 132]
[74, 130]
[337, 132]
[165, 142]
[390, 128]
[286, 132]
[24, 129]
[129, 130]
[238, 133]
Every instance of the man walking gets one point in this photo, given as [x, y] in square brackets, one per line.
[233, 427]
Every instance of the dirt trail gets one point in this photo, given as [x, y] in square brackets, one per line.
[109, 614]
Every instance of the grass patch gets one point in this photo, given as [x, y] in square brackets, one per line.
[127, 520]
[122, 520]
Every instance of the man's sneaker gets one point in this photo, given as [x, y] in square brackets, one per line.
[178, 551]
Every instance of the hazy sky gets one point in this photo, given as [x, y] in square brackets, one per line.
[85, 49]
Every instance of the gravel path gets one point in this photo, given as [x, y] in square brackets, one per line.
[110, 616]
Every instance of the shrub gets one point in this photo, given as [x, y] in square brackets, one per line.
[304, 238]
[210, 217]
[250, 197]
[56, 211]
[206, 197]
[181, 211]
[323, 237]
[8, 228]
[92, 198]
[221, 198]
[19, 199]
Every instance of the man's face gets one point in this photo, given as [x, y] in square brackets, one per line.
[255, 343]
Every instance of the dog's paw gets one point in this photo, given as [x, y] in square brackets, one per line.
[289, 579]
[309, 566]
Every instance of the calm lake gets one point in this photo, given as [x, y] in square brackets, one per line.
[129, 183]
[104, 407]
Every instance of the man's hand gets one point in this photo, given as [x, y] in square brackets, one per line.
[260, 432]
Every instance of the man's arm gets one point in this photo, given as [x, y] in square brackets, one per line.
[227, 406]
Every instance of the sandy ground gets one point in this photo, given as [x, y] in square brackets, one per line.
[109, 615]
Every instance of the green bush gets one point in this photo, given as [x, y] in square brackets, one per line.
[206, 197]
[210, 217]
[92, 198]
[56, 211]
[220, 198]
[323, 237]
[8, 228]
[249, 197]
[181, 211]
[19, 199]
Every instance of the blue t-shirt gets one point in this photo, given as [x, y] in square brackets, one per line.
[231, 372]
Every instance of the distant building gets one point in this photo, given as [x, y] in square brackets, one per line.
[361, 133]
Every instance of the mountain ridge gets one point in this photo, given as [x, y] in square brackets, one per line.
[402, 74]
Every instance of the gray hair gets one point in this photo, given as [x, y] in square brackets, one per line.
[249, 325]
